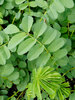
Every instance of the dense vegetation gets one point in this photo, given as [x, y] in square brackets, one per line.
[37, 50]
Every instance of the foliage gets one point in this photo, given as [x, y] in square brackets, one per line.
[37, 56]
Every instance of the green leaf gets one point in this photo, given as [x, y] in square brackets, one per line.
[52, 12]
[39, 28]
[13, 98]
[1, 97]
[44, 78]
[27, 22]
[58, 6]
[4, 36]
[56, 44]
[6, 70]
[71, 16]
[14, 76]
[67, 3]
[41, 3]
[33, 4]
[1, 40]
[49, 35]
[22, 73]
[11, 29]
[22, 64]
[60, 95]
[72, 96]
[56, 26]
[72, 28]
[16, 39]
[43, 59]
[6, 52]
[25, 46]
[35, 52]
[8, 6]
[46, 86]
[22, 86]
[23, 6]
[1, 2]
[63, 61]
[19, 1]
[1, 21]
[72, 61]
[2, 59]
[60, 54]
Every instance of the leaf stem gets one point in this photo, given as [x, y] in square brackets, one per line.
[20, 95]
[15, 18]
[13, 95]
[72, 34]
[38, 42]
[68, 71]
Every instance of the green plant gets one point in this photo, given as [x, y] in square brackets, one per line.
[37, 56]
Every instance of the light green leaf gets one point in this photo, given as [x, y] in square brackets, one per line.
[23, 6]
[1, 2]
[6, 70]
[13, 98]
[27, 22]
[60, 54]
[16, 39]
[52, 12]
[39, 28]
[49, 35]
[6, 52]
[43, 59]
[2, 59]
[33, 4]
[11, 29]
[41, 3]
[26, 45]
[72, 61]
[14, 76]
[72, 96]
[71, 16]
[72, 28]
[56, 44]
[58, 6]
[1, 97]
[63, 61]
[67, 3]
[1, 21]
[1, 40]
[35, 52]
[19, 1]
[22, 86]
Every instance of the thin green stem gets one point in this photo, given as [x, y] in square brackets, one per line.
[3, 44]
[72, 34]
[28, 6]
[43, 14]
[38, 42]
[13, 95]
[20, 95]
[68, 29]
[15, 18]
[68, 71]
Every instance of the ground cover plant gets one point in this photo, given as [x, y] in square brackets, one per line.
[37, 49]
